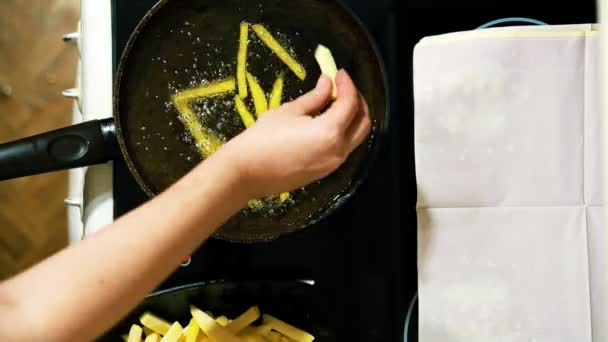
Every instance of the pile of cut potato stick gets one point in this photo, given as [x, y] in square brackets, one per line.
[206, 141]
[203, 327]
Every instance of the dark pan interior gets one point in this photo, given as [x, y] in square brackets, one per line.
[186, 43]
[229, 299]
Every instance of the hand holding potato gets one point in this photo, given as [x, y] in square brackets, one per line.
[295, 144]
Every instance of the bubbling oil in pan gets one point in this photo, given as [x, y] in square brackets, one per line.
[203, 50]
[218, 114]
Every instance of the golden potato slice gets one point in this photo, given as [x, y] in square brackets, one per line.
[276, 96]
[244, 320]
[288, 330]
[135, 333]
[154, 323]
[258, 94]
[174, 334]
[241, 65]
[246, 116]
[280, 51]
[210, 327]
[328, 66]
[154, 337]
[191, 331]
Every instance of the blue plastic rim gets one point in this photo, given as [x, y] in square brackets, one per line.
[511, 20]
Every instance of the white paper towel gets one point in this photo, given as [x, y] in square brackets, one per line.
[508, 138]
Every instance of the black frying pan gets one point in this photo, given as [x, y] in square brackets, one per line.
[185, 43]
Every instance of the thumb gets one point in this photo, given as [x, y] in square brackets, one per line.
[312, 102]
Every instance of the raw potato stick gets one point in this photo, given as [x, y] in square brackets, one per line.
[210, 327]
[288, 330]
[174, 333]
[328, 66]
[154, 323]
[259, 97]
[241, 65]
[280, 51]
[135, 333]
[222, 320]
[153, 338]
[191, 331]
[244, 320]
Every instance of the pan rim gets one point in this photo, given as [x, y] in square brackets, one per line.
[376, 142]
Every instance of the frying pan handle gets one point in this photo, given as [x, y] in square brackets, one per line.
[88, 143]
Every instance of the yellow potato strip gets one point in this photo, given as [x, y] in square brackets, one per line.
[284, 197]
[191, 331]
[244, 320]
[241, 66]
[288, 330]
[259, 97]
[206, 142]
[174, 334]
[152, 338]
[280, 51]
[154, 323]
[211, 328]
[135, 333]
[328, 66]
[208, 90]
[241, 108]
[276, 96]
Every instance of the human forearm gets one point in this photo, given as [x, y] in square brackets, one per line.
[81, 291]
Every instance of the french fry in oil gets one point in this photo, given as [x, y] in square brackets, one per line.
[222, 320]
[276, 96]
[241, 65]
[206, 142]
[259, 97]
[280, 51]
[284, 197]
[218, 88]
[246, 116]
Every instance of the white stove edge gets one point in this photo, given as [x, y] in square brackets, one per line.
[91, 203]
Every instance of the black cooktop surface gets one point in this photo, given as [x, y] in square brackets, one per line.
[362, 258]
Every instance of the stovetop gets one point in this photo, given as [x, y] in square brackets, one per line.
[362, 258]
